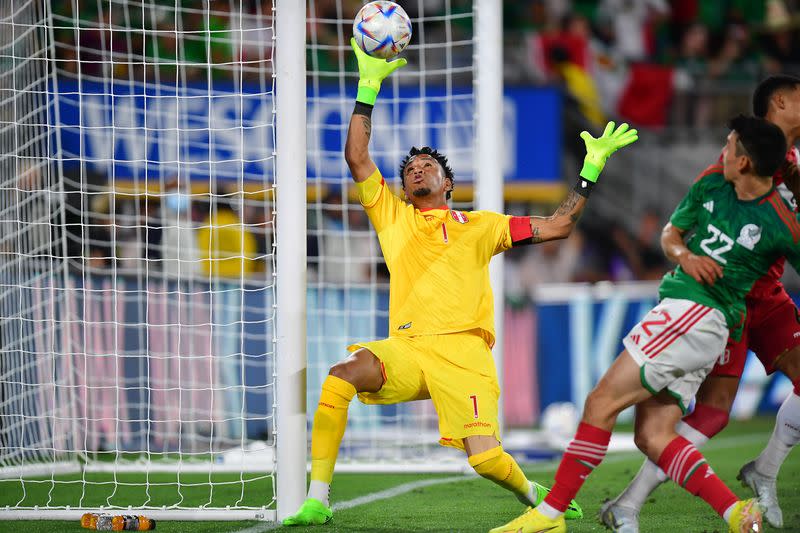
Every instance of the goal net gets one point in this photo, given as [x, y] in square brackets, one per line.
[140, 309]
[428, 102]
[138, 271]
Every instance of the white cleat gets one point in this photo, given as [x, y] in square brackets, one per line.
[765, 490]
[618, 518]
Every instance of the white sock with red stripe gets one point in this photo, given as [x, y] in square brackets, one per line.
[649, 477]
[584, 453]
[689, 469]
[785, 436]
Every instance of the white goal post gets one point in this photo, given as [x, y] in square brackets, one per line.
[182, 256]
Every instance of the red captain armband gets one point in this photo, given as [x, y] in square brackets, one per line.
[521, 231]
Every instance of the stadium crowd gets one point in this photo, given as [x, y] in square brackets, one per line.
[655, 63]
[604, 53]
[199, 235]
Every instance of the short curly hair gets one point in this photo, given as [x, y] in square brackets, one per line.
[440, 158]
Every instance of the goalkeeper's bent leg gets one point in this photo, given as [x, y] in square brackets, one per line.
[496, 465]
[330, 421]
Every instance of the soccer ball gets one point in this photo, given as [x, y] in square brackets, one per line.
[382, 29]
[559, 422]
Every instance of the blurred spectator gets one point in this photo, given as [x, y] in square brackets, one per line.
[252, 32]
[568, 40]
[97, 236]
[346, 243]
[579, 85]
[100, 44]
[136, 223]
[195, 40]
[628, 25]
[548, 262]
[327, 51]
[226, 247]
[639, 256]
[179, 251]
[257, 215]
[734, 59]
[691, 66]
[781, 41]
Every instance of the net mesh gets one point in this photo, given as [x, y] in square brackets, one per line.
[429, 102]
[31, 406]
[137, 287]
[138, 283]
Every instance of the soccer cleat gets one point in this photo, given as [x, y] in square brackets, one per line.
[745, 518]
[312, 513]
[618, 518]
[765, 490]
[532, 521]
[573, 512]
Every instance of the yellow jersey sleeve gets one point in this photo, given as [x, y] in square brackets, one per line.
[381, 205]
[498, 234]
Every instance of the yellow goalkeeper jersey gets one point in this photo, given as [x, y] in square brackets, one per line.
[438, 260]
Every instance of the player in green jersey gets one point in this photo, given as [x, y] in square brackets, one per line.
[741, 226]
[771, 331]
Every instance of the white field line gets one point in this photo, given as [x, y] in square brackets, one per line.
[373, 497]
[714, 444]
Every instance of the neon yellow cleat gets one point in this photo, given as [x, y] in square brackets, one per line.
[532, 521]
[745, 518]
[574, 510]
[312, 513]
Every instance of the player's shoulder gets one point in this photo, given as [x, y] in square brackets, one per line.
[711, 174]
[787, 218]
[476, 216]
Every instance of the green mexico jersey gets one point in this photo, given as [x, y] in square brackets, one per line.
[744, 236]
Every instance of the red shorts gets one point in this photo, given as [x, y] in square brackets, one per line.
[771, 328]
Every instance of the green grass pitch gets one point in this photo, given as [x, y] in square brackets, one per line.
[468, 504]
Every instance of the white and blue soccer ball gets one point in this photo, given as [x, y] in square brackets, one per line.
[559, 422]
[382, 29]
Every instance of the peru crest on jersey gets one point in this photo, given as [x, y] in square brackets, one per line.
[459, 217]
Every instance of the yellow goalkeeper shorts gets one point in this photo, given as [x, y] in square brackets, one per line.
[456, 371]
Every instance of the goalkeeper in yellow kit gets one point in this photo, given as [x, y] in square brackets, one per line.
[441, 316]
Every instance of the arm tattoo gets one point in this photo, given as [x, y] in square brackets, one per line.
[367, 122]
[537, 238]
[568, 206]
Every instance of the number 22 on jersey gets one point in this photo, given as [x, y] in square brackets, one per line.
[716, 244]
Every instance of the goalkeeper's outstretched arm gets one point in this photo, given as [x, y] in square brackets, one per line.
[356, 149]
[371, 72]
[560, 224]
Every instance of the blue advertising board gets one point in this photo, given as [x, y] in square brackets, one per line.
[146, 132]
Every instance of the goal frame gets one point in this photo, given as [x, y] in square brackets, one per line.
[289, 108]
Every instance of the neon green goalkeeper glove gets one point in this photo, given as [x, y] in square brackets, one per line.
[372, 71]
[598, 150]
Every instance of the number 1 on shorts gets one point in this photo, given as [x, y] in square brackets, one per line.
[474, 399]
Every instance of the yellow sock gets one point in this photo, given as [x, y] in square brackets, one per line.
[329, 423]
[498, 466]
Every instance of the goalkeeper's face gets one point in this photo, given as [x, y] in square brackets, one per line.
[424, 178]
